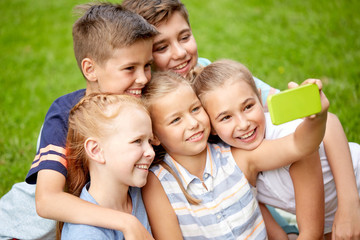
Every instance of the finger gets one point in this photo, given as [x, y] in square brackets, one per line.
[292, 85]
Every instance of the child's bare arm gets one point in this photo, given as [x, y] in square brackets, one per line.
[306, 175]
[162, 218]
[347, 217]
[272, 154]
[273, 229]
[52, 202]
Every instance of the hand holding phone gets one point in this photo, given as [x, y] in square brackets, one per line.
[294, 103]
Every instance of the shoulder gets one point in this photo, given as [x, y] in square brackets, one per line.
[203, 62]
[278, 131]
[80, 231]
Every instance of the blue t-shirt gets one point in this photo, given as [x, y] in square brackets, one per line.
[52, 139]
[80, 231]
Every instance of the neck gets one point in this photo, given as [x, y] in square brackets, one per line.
[195, 164]
[111, 194]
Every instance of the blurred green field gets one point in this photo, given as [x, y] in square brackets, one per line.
[279, 41]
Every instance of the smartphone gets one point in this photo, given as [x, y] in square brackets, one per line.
[294, 103]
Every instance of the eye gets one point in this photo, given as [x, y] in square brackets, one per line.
[227, 117]
[130, 68]
[160, 48]
[248, 106]
[185, 37]
[148, 65]
[137, 141]
[175, 120]
[196, 109]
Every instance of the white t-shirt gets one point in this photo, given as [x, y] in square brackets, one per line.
[275, 187]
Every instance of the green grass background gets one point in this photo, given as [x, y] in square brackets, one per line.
[279, 41]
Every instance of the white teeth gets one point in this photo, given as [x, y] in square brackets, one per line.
[135, 92]
[180, 66]
[142, 166]
[195, 136]
[247, 135]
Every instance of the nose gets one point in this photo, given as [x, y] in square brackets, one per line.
[178, 51]
[142, 77]
[242, 123]
[193, 122]
[149, 152]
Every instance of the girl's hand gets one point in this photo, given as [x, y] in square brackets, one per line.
[347, 223]
[324, 101]
[136, 231]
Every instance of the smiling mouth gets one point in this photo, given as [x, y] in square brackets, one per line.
[248, 135]
[142, 166]
[136, 92]
[195, 137]
[181, 66]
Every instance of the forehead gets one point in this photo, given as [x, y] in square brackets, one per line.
[137, 52]
[228, 95]
[173, 102]
[174, 24]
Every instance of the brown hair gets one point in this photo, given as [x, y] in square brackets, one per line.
[217, 73]
[104, 27]
[161, 84]
[156, 11]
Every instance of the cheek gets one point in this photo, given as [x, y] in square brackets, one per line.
[160, 61]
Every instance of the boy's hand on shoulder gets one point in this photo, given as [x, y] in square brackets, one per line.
[324, 101]
[136, 231]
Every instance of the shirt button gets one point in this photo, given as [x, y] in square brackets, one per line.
[218, 216]
[206, 175]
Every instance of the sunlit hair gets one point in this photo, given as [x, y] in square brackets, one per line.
[217, 73]
[93, 116]
[156, 11]
[160, 85]
[105, 27]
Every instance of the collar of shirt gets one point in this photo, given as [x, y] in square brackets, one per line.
[186, 177]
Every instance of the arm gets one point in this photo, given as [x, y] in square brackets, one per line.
[304, 141]
[306, 175]
[52, 202]
[347, 217]
[273, 229]
[162, 218]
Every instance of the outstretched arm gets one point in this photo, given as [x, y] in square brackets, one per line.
[52, 202]
[306, 175]
[347, 218]
[305, 140]
[162, 217]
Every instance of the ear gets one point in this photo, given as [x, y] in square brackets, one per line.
[93, 150]
[88, 69]
[155, 141]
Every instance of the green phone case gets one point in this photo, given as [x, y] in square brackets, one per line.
[294, 103]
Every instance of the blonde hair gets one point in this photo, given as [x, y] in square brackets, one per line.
[217, 73]
[93, 116]
[160, 85]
